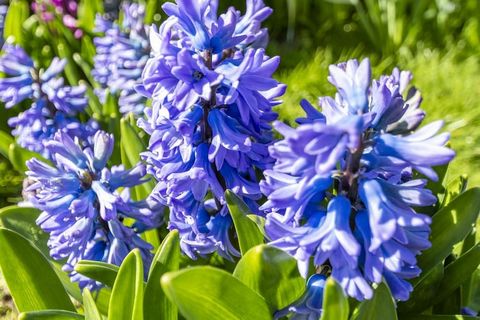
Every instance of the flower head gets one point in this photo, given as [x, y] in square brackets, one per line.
[343, 191]
[122, 52]
[82, 209]
[54, 105]
[209, 125]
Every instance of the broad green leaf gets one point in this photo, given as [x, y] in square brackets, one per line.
[131, 146]
[5, 141]
[126, 301]
[50, 315]
[156, 304]
[451, 305]
[152, 10]
[380, 307]
[86, 68]
[248, 233]
[18, 12]
[65, 52]
[214, 294]
[91, 310]
[110, 107]
[22, 221]
[454, 189]
[423, 292]
[100, 271]
[102, 299]
[87, 10]
[271, 273]
[93, 101]
[335, 304]
[31, 280]
[457, 218]
[259, 221]
[457, 272]
[131, 143]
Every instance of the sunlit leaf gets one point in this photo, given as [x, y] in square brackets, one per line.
[214, 294]
[271, 273]
[126, 302]
[156, 304]
[248, 233]
[100, 271]
[30, 278]
[380, 307]
[458, 218]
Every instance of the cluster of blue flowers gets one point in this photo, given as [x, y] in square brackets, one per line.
[122, 53]
[81, 208]
[212, 90]
[54, 105]
[345, 182]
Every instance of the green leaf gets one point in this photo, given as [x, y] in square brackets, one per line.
[458, 218]
[126, 301]
[156, 304]
[5, 141]
[65, 52]
[18, 157]
[87, 10]
[380, 307]
[271, 273]
[248, 233]
[132, 145]
[100, 271]
[110, 107]
[423, 292]
[151, 10]
[22, 221]
[454, 189]
[457, 272]
[50, 315]
[85, 66]
[335, 304]
[18, 12]
[91, 310]
[31, 280]
[214, 294]
[102, 299]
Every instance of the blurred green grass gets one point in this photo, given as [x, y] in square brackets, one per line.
[450, 88]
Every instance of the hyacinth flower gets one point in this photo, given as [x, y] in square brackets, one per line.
[345, 182]
[82, 209]
[54, 105]
[212, 94]
[122, 53]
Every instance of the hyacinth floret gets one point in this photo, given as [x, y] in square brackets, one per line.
[121, 55]
[212, 89]
[309, 305]
[345, 182]
[82, 207]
